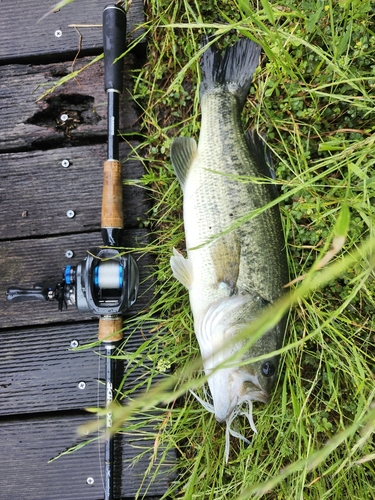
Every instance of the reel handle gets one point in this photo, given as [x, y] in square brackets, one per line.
[15, 294]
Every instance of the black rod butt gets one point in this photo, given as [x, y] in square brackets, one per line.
[114, 44]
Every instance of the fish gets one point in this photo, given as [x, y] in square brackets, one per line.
[236, 265]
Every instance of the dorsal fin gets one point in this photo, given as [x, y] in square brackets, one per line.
[262, 154]
[183, 152]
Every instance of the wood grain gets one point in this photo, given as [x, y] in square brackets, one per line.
[29, 123]
[28, 446]
[23, 38]
[36, 191]
[41, 372]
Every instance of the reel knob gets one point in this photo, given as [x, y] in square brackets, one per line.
[69, 275]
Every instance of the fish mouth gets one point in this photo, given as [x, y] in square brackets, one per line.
[253, 391]
[240, 388]
[255, 395]
[259, 395]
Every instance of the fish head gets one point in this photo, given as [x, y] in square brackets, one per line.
[235, 381]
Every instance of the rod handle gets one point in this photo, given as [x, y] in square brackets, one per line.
[112, 208]
[110, 329]
[114, 44]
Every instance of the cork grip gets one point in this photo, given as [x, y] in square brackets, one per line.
[110, 329]
[112, 210]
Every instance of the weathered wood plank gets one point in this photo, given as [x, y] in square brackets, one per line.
[23, 37]
[41, 372]
[28, 445]
[26, 262]
[36, 191]
[31, 124]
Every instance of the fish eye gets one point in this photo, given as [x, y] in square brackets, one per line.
[268, 369]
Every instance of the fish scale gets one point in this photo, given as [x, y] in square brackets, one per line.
[222, 153]
[232, 271]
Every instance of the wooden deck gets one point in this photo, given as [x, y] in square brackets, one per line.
[42, 396]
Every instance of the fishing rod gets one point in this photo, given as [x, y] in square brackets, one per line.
[105, 282]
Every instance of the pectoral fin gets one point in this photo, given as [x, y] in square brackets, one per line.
[183, 152]
[181, 269]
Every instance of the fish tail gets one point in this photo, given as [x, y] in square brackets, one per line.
[233, 70]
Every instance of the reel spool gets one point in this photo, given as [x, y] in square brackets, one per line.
[109, 275]
[104, 283]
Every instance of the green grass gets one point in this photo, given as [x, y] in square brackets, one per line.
[313, 97]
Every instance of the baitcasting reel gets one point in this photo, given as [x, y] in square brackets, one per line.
[103, 283]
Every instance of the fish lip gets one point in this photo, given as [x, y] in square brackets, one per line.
[255, 395]
[255, 392]
[261, 396]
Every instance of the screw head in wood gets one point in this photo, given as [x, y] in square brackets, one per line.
[74, 344]
[69, 254]
[70, 214]
[58, 33]
[90, 480]
[82, 385]
[65, 163]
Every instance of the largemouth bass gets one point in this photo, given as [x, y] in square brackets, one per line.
[232, 271]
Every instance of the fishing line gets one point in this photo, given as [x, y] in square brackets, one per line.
[98, 419]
